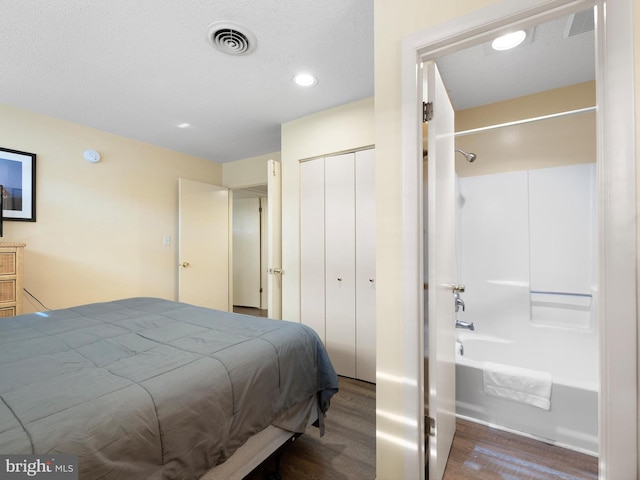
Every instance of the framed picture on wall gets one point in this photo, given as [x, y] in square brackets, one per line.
[18, 178]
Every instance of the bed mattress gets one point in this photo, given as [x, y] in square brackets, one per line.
[146, 388]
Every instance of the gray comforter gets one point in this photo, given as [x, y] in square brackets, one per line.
[145, 388]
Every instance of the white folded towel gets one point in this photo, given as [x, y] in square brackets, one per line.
[519, 384]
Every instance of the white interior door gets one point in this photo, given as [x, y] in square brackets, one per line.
[441, 264]
[340, 284]
[365, 265]
[274, 242]
[203, 251]
[264, 253]
[246, 252]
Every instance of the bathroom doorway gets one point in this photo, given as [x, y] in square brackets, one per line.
[526, 246]
[613, 462]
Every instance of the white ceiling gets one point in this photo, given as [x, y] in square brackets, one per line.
[139, 68]
[555, 54]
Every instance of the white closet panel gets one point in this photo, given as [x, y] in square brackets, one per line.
[337, 258]
[312, 281]
[340, 246]
[365, 266]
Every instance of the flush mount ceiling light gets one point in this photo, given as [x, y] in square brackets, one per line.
[230, 38]
[509, 41]
[305, 80]
[183, 125]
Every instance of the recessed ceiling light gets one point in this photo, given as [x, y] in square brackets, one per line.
[508, 41]
[305, 80]
[184, 125]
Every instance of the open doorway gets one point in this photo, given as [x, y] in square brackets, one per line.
[249, 246]
[526, 337]
[265, 260]
[615, 153]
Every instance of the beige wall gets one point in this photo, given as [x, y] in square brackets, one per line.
[247, 172]
[99, 229]
[348, 127]
[554, 101]
[562, 140]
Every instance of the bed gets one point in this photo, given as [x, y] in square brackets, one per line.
[146, 388]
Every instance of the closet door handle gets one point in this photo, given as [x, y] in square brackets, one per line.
[339, 279]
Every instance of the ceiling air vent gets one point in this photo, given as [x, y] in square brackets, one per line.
[580, 22]
[231, 39]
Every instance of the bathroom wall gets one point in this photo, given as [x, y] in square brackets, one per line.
[564, 140]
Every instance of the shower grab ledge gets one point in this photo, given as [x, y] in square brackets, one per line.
[569, 294]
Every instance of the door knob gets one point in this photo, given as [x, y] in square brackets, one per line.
[184, 264]
[457, 287]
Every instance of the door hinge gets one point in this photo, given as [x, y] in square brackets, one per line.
[429, 426]
[427, 111]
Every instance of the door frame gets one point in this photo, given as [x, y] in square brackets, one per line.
[617, 224]
[274, 239]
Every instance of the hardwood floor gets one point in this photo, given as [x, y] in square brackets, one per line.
[347, 451]
[484, 453]
[256, 312]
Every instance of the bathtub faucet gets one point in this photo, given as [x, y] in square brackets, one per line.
[467, 325]
[458, 301]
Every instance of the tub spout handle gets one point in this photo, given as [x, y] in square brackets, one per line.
[458, 301]
[466, 325]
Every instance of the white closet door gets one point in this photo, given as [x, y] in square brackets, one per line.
[340, 262]
[312, 282]
[365, 266]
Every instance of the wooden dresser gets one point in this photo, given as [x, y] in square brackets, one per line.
[11, 278]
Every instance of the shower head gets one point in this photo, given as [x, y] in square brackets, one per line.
[471, 157]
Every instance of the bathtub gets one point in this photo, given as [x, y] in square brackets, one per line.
[572, 421]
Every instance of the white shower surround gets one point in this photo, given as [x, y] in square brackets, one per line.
[521, 233]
